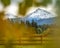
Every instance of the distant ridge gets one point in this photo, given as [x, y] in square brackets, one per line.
[39, 16]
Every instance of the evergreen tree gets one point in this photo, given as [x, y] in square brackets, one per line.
[38, 30]
[34, 24]
[28, 23]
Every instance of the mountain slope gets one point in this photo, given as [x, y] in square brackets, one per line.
[41, 17]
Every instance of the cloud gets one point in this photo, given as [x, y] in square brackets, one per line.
[39, 1]
[1, 7]
[17, 1]
[11, 9]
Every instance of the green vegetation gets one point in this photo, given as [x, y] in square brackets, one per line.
[6, 2]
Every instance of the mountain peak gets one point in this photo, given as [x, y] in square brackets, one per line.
[40, 13]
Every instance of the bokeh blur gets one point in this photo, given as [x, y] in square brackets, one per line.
[18, 33]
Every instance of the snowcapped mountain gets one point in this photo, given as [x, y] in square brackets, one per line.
[41, 16]
[40, 13]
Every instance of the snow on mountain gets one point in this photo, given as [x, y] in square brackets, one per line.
[40, 13]
[41, 16]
